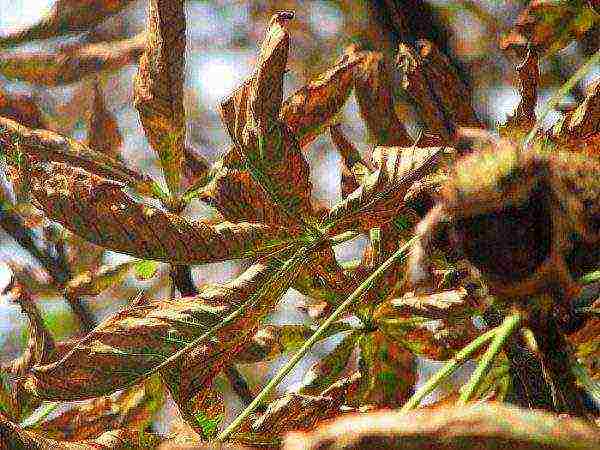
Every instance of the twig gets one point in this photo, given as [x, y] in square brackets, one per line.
[503, 332]
[448, 369]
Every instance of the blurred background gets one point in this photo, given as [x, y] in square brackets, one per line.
[222, 39]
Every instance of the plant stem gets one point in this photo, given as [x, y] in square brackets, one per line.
[281, 374]
[564, 90]
[450, 367]
[503, 332]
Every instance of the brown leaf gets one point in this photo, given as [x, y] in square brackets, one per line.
[100, 211]
[388, 372]
[72, 64]
[487, 426]
[548, 26]
[159, 86]
[294, 412]
[131, 408]
[103, 131]
[67, 16]
[49, 146]
[439, 305]
[579, 130]
[312, 108]
[93, 282]
[373, 90]
[21, 108]
[436, 88]
[16, 438]
[529, 77]
[380, 198]
[354, 169]
[132, 343]
[265, 154]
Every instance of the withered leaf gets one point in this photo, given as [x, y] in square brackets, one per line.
[354, 169]
[439, 305]
[16, 438]
[380, 198]
[436, 88]
[49, 146]
[487, 426]
[93, 282]
[388, 371]
[373, 90]
[66, 16]
[135, 341]
[311, 109]
[159, 86]
[21, 108]
[293, 412]
[524, 117]
[579, 130]
[549, 26]
[71, 64]
[100, 211]
[331, 367]
[267, 154]
[437, 340]
[131, 408]
[103, 131]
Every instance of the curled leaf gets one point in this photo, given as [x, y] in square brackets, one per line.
[380, 198]
[549, 25]
[373, 90]
[66, 16]
[93, 282]
[103, 131]
[49, 146]
[131, 408]
[487, 426]
[100, 211]
[311, 109]
[141, 339]
[579, 130]
[72, 64]
[436, 88]
[159, 86]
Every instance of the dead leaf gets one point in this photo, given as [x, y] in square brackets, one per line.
[435, 87]
[103, 131]
[579, 130]
[311, 109]
[373, 90]
[49, 146]
[354, 169]
[72, 64]
[132, 343]
[380, 198]
[21, 108]
[487, 426]
[100, 211]
[132, 408]
[66, 16]
[159, 86]
[93, 282]
[549, 26]
[17, 438]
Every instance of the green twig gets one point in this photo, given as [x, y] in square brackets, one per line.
[448, 369]
[564, 90]
[281, 374]
[503, 332]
